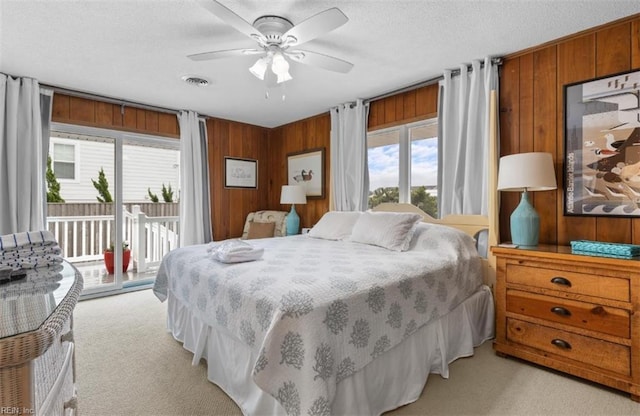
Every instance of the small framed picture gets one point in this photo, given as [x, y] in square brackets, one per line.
[240, 173]
[306, 169]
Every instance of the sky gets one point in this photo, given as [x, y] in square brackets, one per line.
[383, 164]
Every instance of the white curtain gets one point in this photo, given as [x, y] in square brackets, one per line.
[23, 153]
[463, 156]
[349, 156]
[195, 217]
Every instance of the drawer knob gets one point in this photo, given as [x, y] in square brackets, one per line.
[559, 310]
[562, 281]
[560, 343]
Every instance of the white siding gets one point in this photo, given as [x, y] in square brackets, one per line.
[143, 167]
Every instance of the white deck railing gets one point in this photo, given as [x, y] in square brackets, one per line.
[84, 238]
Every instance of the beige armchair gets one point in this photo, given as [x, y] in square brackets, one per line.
[264, 220]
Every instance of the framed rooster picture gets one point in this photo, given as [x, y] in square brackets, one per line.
[602, 146]
[306, 169]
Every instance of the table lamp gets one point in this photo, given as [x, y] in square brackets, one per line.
[293, 194]
[524, 172]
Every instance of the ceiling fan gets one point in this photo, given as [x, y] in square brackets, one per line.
[278, 40]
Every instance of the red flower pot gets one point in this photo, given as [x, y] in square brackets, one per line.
[109, 260]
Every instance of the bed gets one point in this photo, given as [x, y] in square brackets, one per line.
[350, 319]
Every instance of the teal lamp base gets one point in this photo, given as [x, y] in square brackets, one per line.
[293, 221]
[525, 223]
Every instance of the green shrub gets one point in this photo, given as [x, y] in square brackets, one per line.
[53, 186]
[102, 185]
[152, 196]
[167, 193]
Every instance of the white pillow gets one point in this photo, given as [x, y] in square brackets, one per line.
[335, 225]
[391, 230]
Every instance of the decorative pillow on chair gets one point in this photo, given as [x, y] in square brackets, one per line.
[277, 217]
[335, 225]
[391, 230]
[260, 229]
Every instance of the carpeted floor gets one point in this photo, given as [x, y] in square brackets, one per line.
[127, 364]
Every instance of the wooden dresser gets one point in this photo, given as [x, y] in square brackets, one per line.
[37, 368]
[573, 313]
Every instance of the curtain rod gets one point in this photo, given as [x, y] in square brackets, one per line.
[454, 72]
[110, 100]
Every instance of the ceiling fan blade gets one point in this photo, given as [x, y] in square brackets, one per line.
[315, 26]
[320, 60]
[230, 53]
[233, 20]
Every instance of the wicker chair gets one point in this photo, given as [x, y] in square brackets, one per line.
[278, 217]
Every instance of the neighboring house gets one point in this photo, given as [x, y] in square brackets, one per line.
[76, 161]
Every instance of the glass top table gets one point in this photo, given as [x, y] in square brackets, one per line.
[26, 304]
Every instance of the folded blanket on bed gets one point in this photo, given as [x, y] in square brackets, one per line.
[234, 251]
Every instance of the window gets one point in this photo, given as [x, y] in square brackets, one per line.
[403, 165]
[63, 160]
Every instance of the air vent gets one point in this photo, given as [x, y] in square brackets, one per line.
[194, 80]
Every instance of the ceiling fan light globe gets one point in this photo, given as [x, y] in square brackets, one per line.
[259, 68]
[284, 77]
[279, 64]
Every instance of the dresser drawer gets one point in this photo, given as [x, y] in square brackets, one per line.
[593, 317]
[587, 350]
[605, 287]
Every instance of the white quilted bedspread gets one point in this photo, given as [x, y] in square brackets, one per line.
[316, 311]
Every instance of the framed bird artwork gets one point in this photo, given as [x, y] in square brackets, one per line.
[602, 146]
[306, 169]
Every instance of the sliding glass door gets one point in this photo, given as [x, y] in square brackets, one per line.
[116, 209]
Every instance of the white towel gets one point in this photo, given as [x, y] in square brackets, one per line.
[27, 239]
[29, 250]
[234, 251]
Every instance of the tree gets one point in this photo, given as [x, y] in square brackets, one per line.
[167, 193]
[419, 197]
[381, 195]
[53, 186]
[152, 196]
[425, 201]
[102, 185]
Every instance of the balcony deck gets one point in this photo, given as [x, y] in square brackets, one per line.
[84, 238]
[95, 275]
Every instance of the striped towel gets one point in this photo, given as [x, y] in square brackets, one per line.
[29, 238]
[29, 250]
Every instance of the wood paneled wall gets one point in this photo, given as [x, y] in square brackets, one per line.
[229, 207]
[531, 119]
[271, 147]
[414, 105]
[310, 133]
[92, 113]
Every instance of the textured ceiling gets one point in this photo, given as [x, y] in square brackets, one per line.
[136, 50]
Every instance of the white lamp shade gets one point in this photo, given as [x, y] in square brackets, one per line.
[284, 77]
[280, 67]
[260, 67]
[293, 194]
[527, 171]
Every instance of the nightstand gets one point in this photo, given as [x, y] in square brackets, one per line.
[37, 358]
[573, 313]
